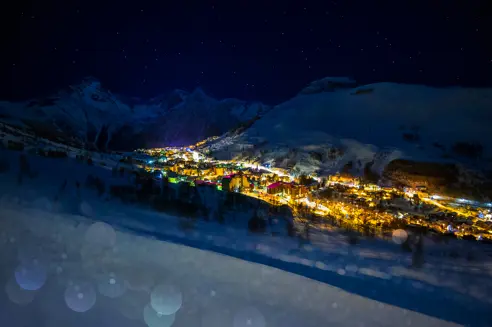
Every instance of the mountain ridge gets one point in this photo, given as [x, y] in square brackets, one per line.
[88, 115]
[337, 126]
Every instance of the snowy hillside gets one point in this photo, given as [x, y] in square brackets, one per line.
[333, 122]
[89, 114]
[74, 257]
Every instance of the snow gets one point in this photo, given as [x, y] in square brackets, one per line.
[328, 84]
[106, 259]
[87, 113]
[378, 123]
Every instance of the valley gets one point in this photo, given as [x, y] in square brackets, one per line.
[339, 199]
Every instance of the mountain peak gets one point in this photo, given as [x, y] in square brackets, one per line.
[91, 90]
[89, 82]
[198, 91]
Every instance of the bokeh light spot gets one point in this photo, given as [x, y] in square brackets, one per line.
[31, 276]
[80, 297]
[156, 319]
[249, 317]
[399, 236]
[166, 299]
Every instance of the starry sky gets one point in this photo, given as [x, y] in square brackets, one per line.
[253, 50]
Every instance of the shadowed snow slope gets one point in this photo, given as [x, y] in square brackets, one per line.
[129, 280]
[384, 120]
[89, 114]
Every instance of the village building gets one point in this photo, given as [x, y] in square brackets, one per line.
[290, 189]
[220, 171]
[235, 182]
[344, 179]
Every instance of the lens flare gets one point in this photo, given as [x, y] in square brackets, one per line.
[399, 236]
[101, 234]
[80, 297]
[155, 319]
[166, 299]
[18, 295]
[111, 286]
[31, 276]
[249, 317]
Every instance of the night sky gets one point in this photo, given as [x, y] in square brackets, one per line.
[253, 50]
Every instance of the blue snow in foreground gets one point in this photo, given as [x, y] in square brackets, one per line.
[111, 264]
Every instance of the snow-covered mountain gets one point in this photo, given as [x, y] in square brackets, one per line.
[334, 123]
[88, 114]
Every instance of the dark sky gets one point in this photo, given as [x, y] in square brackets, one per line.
[255, 50]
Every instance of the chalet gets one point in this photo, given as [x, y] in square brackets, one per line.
[190, 171]
[219, 171]
[235, 182]
[344, 179]
[291, 189]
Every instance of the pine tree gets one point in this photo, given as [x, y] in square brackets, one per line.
[418, 254]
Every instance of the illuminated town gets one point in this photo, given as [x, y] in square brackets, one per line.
[337, 199]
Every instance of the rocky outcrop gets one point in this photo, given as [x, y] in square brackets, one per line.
[428, 174]
[445, 179]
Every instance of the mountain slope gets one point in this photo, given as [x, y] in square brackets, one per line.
[88, 115]
[333, 124]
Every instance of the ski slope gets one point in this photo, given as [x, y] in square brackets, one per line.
[87, 253]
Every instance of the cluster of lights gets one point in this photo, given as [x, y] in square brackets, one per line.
[190, 154]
